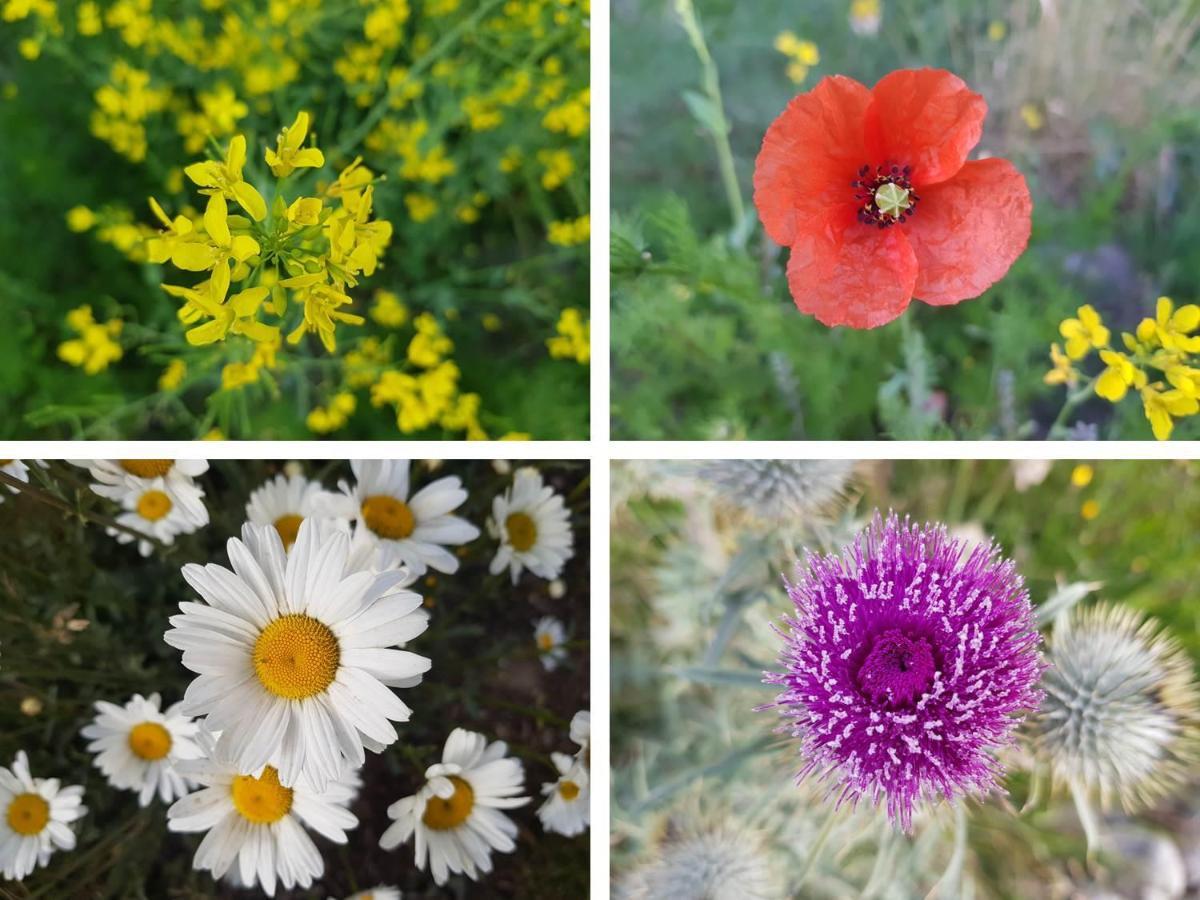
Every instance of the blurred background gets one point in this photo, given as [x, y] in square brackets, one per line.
[703, 783]
[1095, 101]
[82, 619]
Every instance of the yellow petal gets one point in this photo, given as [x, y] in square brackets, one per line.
[158, 212]
[248, 301]
[244, 247]
[1186, 318]
[1077, 346]
[1160, 422]
[216, 215]
[207, 333]
[258, 332]
[204, 174]
[296, 134]
[236, 157]
[218, 286]
[1111, 386]
[300, 281]
[193, 256]
[1163, 310]
[1088, 316]
[310, 156]
[251, 200]
[1146, 330]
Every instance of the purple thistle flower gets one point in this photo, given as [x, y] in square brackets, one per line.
[908, 663]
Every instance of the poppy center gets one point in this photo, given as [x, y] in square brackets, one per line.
[898, 669]
[261, 800]
[886, 196]
[28, 814]
[149, 741]
[445, 813]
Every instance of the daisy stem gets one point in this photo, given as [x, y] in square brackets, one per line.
[719, 126]
[115, 837]
[814, 853]
[49, 499]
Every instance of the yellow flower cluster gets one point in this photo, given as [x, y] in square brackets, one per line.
[303, 254]
[570, 233]
[802, 55]
[122, 107]
[574, 338]
[96, 346]
[1161, 361]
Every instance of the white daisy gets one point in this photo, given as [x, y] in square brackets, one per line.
[533, 526]
[383, 892]
[551, 638]
[37, 813]
[118, 477]
[160, 509]
[566, 808]
[581, 734]
[17, 469]
[285, 501]
[137, 746]
[291, 653]
[255, 822]
[411, 531]
[456, 815]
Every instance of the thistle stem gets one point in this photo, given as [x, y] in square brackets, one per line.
[815, 852]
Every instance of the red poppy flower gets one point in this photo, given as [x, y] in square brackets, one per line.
[872, 192]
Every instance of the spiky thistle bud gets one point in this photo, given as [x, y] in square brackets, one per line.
[1121, 715]
[779, 490]
[713, 863]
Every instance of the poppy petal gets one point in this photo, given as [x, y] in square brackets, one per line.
[863, 278]
[925, 118]
[809, 156]
[969, 231]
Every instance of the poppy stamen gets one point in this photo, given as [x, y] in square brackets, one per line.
[887, 198]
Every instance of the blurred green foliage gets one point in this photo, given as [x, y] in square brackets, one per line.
[58, 568]
[706, 340]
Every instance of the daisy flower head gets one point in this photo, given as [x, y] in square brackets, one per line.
[551, 638]
[137, 746]
[533, 526]
[285, 501]
[409, 529]
[35, 818]
[908, 662]
[292, 653]
[456, 815]
[566, 808]
[160, 509]
[872, 191]
[255, 825]
[1121, 716]
[117, 477]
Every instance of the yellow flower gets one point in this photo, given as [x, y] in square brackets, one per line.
[321, 309]
[1118, 377]
[1162, 407]
[1084, 333]
[1172, 328]
[1032, 116]
[1063, 372]
[304, 211]
[95, 348]
[388, 310]
[225, 179]
[239, 314]
[569, 233]
[172, 377]
[288, 155]
[1089, 510]
[1081, 475]
[429, 345]
[574, 338]
[80, 218]
[213, 434]
[420, 207]
[237, 374]
[87, 18]
[323, 420]
[997, 31]
[194, 256]
[516, 436]
[30, 48]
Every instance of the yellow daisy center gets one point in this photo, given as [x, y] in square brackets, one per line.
[153, 505]
[296, 657]
[445, 813]
[288, 527]
[5, 462]
[545, 642]
[149, 741]
[147, 468]
[262, 800]
[522, 531]
[28, 814]
[388, 517]
[568, 789]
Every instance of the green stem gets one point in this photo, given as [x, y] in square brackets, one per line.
[1069, 406]
[814, 853]
[49, 499]
[712, 86]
